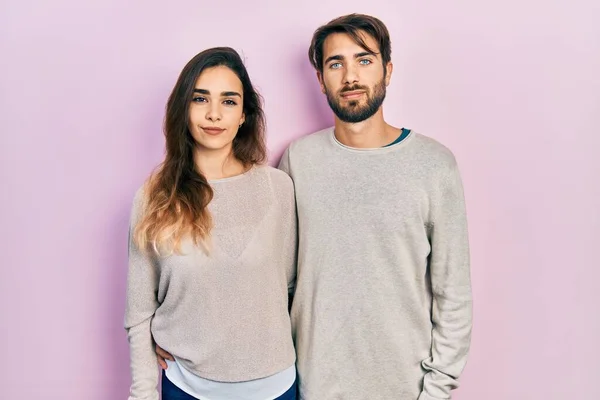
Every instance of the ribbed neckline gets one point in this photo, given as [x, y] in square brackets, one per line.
[374, 150]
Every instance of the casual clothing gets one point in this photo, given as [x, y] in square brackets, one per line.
[403, 135]
[170, 391]
[267, 388]
[382, 306]
[224, 316]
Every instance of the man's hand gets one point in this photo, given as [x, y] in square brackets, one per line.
[161, 356]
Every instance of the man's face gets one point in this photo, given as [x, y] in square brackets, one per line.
[353, 78]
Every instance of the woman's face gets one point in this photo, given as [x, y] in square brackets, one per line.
[216, 111]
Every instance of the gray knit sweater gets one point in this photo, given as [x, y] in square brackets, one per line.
[224, 316]
[382, 308]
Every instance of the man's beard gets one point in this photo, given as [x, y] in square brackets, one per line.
[353, 112]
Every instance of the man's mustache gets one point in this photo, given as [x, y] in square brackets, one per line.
[355, 87]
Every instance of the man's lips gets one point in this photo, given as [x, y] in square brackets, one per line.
[354, 94]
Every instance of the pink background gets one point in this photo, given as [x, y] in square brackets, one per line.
[512, 87]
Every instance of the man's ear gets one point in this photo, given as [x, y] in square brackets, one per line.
[320, 78]
[388, 73]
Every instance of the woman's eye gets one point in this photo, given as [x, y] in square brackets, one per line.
[199, 99]
[230, 102]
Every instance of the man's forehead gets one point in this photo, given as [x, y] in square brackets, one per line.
[340, 42]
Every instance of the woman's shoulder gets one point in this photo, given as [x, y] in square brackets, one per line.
[280, 180]
[142, 194]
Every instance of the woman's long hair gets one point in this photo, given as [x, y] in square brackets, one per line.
[177, 194]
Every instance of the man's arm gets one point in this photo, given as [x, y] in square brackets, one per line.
[284, 165]
[449, 266]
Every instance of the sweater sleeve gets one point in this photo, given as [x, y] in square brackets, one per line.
[284, 163]
[289, 210]
[291, 238]
[292, 231]
[449, 266]
[141, 303]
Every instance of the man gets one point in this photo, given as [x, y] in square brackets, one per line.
[382, 307]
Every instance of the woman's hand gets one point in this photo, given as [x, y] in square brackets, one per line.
[161, 356]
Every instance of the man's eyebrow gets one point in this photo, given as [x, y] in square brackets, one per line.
[364, 53]
[339, 57]
[336, 57]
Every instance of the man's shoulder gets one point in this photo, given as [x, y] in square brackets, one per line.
[311, 141]
[433, 150]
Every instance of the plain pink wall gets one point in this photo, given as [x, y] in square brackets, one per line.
[512, 87]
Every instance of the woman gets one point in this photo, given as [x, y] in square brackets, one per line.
[212, 248]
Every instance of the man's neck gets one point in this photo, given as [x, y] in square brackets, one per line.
[370, 133]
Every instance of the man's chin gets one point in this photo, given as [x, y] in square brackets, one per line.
[352, 107]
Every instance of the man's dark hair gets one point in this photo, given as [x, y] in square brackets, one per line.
[353, 25]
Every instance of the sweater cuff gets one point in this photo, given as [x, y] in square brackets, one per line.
[425, 396]
[153, 396]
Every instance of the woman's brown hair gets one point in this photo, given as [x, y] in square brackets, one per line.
[177, 194]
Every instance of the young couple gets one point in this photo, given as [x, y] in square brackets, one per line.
[361, 230]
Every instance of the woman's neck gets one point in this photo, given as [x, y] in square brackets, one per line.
[218, 164]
